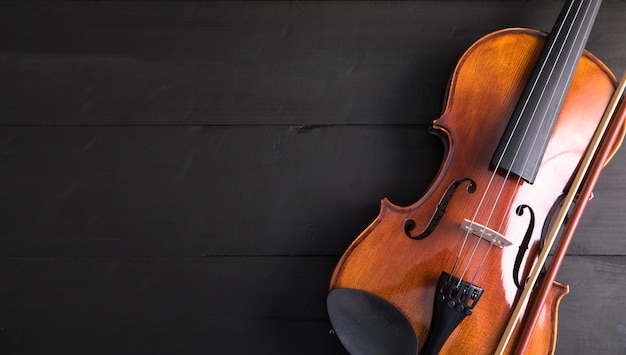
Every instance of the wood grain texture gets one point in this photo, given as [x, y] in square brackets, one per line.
[191, 191]
[595, 302]
[262, 190]
[181, 177]
[233, 305]
[165, 305]
[251, 63]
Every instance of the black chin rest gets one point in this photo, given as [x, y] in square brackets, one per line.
[367, 324]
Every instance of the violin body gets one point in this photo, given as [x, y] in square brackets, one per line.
[483, 92]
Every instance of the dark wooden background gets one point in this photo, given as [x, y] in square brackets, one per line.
[182, 177]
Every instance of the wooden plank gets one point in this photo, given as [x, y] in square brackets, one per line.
[234, 305]
[251, 62]
[165, 306]
[602, 226]
[224, 190]
[189, 191]
[592, 318]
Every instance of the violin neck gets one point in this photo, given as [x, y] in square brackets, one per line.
[525, 139]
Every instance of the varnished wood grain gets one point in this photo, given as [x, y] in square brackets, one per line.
[181, 177]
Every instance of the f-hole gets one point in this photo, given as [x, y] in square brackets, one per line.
[524, 246]
[409, 224]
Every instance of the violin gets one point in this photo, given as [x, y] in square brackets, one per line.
[530, 120]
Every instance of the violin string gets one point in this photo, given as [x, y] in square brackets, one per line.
[485, 193]
[480, 265]
[524, 107]
[488, 187]
[560, 78]
[561, 98]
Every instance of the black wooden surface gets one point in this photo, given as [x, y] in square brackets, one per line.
[181, 177]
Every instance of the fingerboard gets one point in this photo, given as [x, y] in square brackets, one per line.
[521, 148]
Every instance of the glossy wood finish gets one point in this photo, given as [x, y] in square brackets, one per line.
[485, 88]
